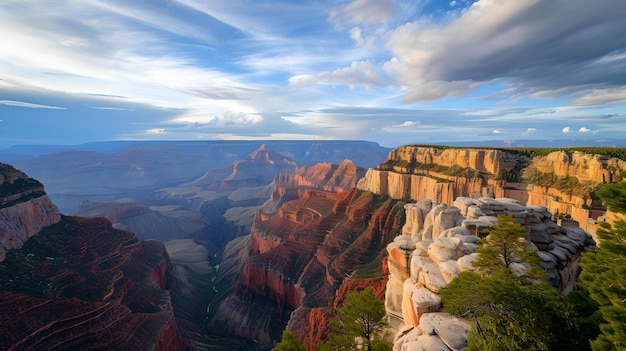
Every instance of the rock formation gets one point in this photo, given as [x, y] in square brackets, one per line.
[81, 284]
[564, 182]
[322, 176]
[24, 209]
[299, 259]
[438, 242]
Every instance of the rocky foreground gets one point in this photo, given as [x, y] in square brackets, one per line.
[439, 242]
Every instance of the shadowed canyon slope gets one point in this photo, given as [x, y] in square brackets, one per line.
[78, 283]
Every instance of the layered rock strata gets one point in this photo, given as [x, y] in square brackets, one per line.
[439, 241]
[443, 174]
[299, 259]
[24, 209]
[80, 284]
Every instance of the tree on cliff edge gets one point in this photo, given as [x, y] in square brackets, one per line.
[360, 321]
[604, 272]
[506, 245]
[289, 343]
[511, 312]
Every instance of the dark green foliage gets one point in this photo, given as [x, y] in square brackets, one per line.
[510, 313]
[589, 317]
[289, 343]
[362, 317]
[614, 196]
[604, 276]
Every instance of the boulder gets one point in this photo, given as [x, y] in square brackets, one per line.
[449, 270]
[417, 301]
[465, 263]
[451, 330]
[425, 343]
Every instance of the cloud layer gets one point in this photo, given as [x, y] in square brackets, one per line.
[392, 71]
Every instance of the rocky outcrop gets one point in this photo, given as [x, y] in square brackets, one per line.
[585, 167]
[415, 187]
[488, 162]
[82, 284]
[24, 209]
[439, 241]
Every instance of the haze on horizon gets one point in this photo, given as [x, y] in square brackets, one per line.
[391, 71]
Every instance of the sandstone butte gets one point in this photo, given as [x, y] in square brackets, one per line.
[78, 283]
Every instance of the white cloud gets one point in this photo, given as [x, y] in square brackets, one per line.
[566, 130]
[357, 36]
[155, 131]
[361, 73]
[530, 131]
[402, 127]
[495, 131]
[602, 97]
[364, 11]
[28, 105]
[584, 130]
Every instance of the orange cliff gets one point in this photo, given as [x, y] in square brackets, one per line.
[443, 174]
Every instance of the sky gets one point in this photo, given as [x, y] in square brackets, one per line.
[391, 71]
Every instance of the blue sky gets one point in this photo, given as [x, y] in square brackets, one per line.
[391, 71]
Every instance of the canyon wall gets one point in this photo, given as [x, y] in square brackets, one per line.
[442, 174]
[585, 167]
[438, 242]
[80, 283]
[298, 261]
[24, 209]
[76, 283]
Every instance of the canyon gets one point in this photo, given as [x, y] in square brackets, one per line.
[265, 241]
[78, 282]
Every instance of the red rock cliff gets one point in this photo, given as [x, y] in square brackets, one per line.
[300, 258]
[82, 284]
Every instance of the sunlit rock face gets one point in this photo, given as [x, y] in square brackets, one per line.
[438, 242]
[443, 174]
[583, 166]
[300, 260]
[24, 209]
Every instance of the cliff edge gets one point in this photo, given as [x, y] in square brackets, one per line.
[563, 181]
[24, 209]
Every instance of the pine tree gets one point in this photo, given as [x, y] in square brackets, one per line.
[506, 243]
[360, 321]
[511, 312]
[604, 276]
[289, 343]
